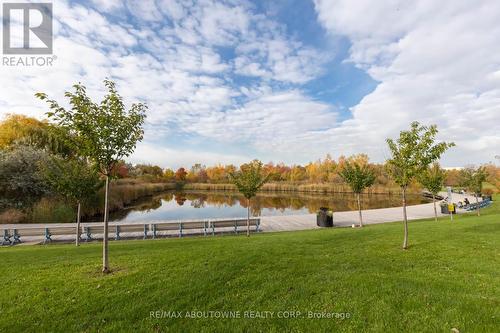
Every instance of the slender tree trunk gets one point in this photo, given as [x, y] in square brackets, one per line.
[78, 225]
[477, 203]
[405, 220]
[105, 260]
[359, 209]
[248, 217]
[435, 209]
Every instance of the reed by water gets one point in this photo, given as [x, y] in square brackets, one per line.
[307, 188]
[123, 192]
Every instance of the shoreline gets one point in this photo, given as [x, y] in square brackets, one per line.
[128, 193]
[278, 223]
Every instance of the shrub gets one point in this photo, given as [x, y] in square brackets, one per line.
[12, 216]
[488, 191]
[50, 210]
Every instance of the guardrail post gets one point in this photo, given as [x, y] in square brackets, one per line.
[236, 227]
[213, 228]
[88, 234]
[17, 238]
[204, 228]
[6, 237]
[145, 231]
[153, 226]
[180, 229]
[117, 232]
[47, 236]
[257, 225]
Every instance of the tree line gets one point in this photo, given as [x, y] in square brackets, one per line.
[322, 171]
[22, 131]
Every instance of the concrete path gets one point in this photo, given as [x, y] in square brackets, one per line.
[347, 219]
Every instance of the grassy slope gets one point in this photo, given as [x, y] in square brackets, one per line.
[450, 277]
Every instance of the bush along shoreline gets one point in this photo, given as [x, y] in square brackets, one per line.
[56, 210]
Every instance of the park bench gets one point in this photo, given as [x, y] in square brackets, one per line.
[234, 224]
[91, 230]
[13, 235]
[17, 233]
[170, 226]
[47, 232]
[193, 225]
[202, 226]
[480, 204]
[127, 228]
[205, 226]
[59, 231]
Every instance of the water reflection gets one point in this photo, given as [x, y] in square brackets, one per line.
[189, 205]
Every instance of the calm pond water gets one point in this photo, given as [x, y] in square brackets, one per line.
[174, 205]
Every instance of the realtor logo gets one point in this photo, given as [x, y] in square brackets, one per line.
[27, 28]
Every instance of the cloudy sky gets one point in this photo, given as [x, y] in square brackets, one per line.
[283, 80]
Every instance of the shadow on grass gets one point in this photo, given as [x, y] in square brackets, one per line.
[95, 272]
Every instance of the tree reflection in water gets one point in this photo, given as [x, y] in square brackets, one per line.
[265, 203]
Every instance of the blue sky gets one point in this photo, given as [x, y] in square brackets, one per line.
[229, 81]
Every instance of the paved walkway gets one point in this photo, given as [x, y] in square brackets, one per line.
[347, 219]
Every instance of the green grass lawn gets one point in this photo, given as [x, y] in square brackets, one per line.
[448, 278]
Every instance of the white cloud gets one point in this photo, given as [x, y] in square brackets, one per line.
[169, 56]
[172, 8]
[270, 55]
[221, 24]
[176, 158]
[436, 62]
[247, 67]
[107, 5]
[144, 10]
[269, 121]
